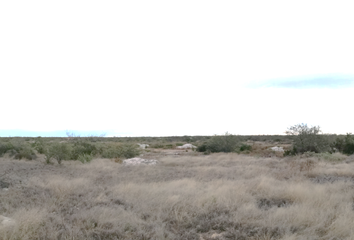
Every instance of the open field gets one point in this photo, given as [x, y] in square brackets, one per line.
[185, 196]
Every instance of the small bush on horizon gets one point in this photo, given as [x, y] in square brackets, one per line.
[219, 143]
[81, 147]
[187, 139]
[307, 139]
[120, 151]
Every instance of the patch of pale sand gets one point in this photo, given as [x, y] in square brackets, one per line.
[139, 161]
[6, 222]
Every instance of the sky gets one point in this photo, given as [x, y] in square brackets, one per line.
[174, 68]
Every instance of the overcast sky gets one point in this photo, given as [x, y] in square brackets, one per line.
[162, 68]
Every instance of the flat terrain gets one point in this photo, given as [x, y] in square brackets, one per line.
[186, 196]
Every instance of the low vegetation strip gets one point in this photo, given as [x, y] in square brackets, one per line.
[300, 139]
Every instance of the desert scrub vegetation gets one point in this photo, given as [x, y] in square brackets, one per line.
[85, 158]
[216, 196]
[111, 150]
[59, 151]
[85, 151]
[237, 144]
[220, 143]
[344, 144]
[81, 149]
[302, 138]
[39, 145]
[245, 148]
[17, 148]
[4, 147]
[308, 139]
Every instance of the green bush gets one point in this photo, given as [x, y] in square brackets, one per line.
[245, 147]
[120, 151]
[187, 139]
[85, 158]
[202, 148]
[221, 143]
[307, 140]
[129, 150]
[157, 145]
[48, 154]
[4, 147]
[168, 146]
[25, 152]
[17, 148]
[344, 144]
[80, 148]
[39, 145]
[14, 146]
[59, 151]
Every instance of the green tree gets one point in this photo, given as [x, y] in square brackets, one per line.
[307, 139]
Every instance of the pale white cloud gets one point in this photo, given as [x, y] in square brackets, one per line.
[179, 67]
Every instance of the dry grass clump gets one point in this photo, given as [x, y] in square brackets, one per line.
[218, 196]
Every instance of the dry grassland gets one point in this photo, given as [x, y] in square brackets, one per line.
[219, 196]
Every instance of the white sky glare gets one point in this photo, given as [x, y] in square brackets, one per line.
[162, 68]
